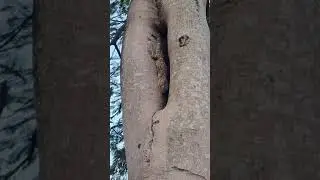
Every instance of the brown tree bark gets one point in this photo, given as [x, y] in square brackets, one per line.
[266, 96]
[166, 137]
[69, 54]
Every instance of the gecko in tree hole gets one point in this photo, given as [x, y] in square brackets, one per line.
[157, 49]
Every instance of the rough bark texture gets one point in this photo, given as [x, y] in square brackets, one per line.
[141, 95]
[70, 54]
[172, 143]
[187, 112]
[266, 96]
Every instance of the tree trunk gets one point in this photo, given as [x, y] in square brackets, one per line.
[266, 96]
[166, 137]
[70, 65]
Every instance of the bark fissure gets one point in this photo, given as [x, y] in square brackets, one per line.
[154, 121]
[188, 172]
[152, 133]
[157, 54]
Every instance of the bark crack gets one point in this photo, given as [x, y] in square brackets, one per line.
[188, 172]
[151, 128]
[149, 149]
[153, 122]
